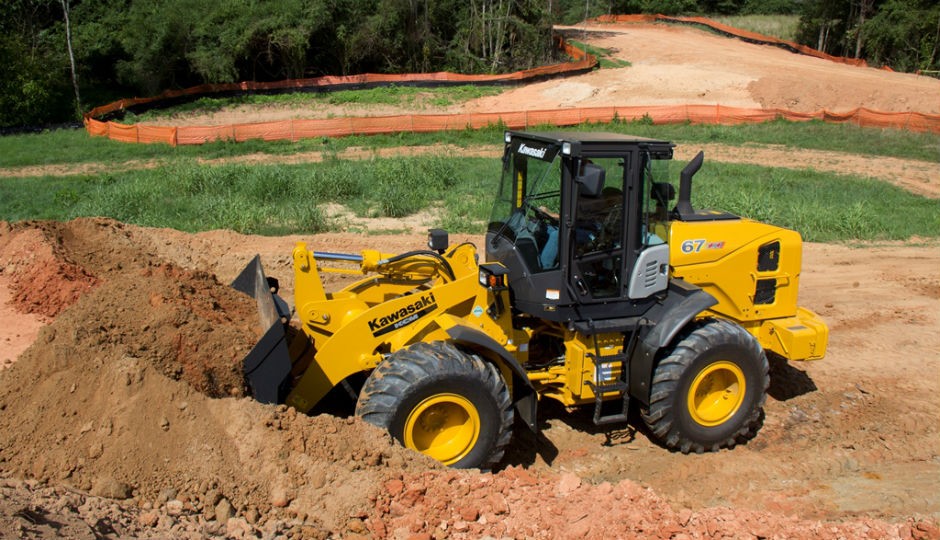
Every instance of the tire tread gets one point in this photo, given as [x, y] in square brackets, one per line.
[660, 417]
[382, 394]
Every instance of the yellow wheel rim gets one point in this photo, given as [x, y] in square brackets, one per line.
[716, 393]
[443, 426]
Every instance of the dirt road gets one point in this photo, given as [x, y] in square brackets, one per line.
[678, 64]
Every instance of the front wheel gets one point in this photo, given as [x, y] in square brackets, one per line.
[708, 392]
[442, 402]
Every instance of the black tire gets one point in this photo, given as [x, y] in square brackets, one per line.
[696, 402]
[438, 400]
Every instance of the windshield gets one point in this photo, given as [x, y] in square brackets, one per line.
[529, 202]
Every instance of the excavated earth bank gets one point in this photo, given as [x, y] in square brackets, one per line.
[135, 393]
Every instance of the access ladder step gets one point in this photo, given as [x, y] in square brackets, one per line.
[604, 367]
[618, 415]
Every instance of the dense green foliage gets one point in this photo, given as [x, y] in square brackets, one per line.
[34, 87]
[141, 47]
[903, 34]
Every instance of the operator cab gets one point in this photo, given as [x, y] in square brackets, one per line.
[572, 224]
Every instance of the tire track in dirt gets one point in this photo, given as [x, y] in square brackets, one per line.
[919, 177]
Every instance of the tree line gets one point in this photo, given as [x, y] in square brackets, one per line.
[59, 57]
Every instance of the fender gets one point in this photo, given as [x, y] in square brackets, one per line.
[525, 398]
[665, 320]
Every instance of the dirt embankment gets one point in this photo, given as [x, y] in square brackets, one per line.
[125, 419]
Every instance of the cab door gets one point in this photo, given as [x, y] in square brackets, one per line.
[615, 267]
[596, 233]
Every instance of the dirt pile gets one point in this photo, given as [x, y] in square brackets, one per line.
[116, 399]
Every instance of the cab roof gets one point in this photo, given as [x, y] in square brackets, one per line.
[592, 141]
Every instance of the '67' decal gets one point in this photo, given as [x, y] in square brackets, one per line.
[694, 246]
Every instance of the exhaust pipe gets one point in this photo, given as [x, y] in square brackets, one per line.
[684, 204]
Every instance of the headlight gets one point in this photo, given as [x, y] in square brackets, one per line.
[493, 276]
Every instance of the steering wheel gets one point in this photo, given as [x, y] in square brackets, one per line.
[542, 214]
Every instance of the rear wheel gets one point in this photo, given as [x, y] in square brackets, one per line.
[709, 391]
[440, 401]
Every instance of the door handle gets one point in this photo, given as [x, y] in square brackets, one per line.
[582, 288]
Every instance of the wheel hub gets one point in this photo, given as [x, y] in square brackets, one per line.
[716, 393]
[446, 427]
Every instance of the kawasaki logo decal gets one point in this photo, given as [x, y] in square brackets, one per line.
[533, 152]
[404, 316]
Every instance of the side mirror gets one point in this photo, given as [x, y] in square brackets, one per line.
[591, 180]
[663, 192]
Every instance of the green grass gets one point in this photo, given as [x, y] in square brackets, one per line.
[604, 58]
[823, 207]
[261, 199]
[779, 26]
[282, 199]
[405, 96]
[76, 146]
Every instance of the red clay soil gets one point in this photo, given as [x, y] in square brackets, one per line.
[124, 420]
[44, 280]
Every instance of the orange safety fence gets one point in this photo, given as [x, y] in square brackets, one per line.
[295, 129]
[751, 37]
[582, 62]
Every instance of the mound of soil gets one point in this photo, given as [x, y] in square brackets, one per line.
[124, 396]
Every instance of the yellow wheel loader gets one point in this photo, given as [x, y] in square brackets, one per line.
[594, 292]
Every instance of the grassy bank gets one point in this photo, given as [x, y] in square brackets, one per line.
[412, 97]
[280, 199]
[604, 56]
[778, 26]
[76, 146]
[264, 199]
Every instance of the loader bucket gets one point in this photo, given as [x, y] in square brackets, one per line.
[267, 367]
